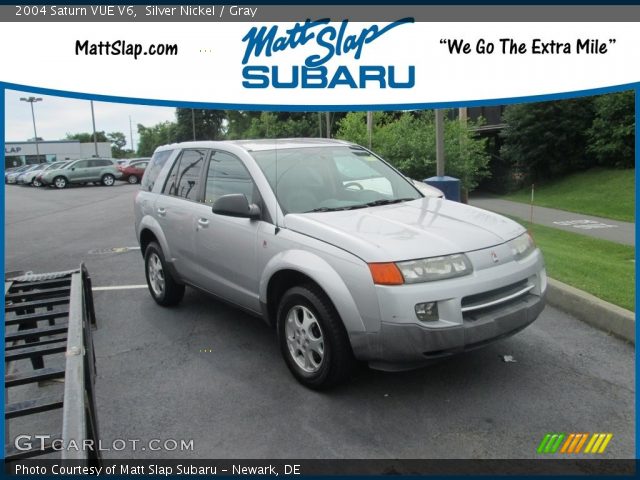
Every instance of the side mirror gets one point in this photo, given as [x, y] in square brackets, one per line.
[236, 205]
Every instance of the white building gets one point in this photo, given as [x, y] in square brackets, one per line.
[21, 153]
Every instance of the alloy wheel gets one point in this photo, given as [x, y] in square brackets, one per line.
[305, 339]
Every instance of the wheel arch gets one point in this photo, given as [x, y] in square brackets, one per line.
[297, 267]
[149, 231]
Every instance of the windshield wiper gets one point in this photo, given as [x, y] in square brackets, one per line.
[388, 202]
[335, 209]
[363, 205]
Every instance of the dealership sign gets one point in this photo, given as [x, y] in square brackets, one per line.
[12, 150]
[331, 41]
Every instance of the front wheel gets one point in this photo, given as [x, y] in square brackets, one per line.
[162, 286]
[60, 182]
[312, 338]
[108, 180]
[36, 183]
[132, 179]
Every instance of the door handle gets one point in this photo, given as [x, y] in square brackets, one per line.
[162, 211]
[203, 222]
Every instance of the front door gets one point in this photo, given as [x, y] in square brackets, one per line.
[227, 246]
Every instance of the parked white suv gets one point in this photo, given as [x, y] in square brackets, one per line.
[337, 249]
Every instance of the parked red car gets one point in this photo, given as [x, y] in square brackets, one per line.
[133, 172]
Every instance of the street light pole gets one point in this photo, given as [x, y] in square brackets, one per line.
[31, 101]
[95, 137]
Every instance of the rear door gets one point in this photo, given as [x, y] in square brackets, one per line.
[175, 210]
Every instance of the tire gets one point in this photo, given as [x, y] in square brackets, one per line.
[108, 180]
[60, 182]
[331, 360]
[133, 179]
[162, 286]
[36, 183]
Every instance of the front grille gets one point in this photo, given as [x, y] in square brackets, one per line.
[499, 297]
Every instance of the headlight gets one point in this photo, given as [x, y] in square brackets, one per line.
[522, 246]
[436, 268]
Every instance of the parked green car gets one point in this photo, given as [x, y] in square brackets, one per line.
[86, 170]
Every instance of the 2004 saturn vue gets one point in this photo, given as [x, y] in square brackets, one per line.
[336, 249]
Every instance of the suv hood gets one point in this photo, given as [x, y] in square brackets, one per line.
[427, 227]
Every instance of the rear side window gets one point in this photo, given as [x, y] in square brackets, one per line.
[99, 163]
[184, 178]
[81, 164]
[155, 167]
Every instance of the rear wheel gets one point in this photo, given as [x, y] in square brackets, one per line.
[60, 182]
[108, 180]
[132, 179]
[162, 286]
[313, 341]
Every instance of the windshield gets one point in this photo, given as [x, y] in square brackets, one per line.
[56, 166]
[332, 178]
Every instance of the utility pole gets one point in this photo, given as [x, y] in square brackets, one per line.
[193, 123]
[95, 137]
[370, 126]
[319, 125]
[327, 117]
[131, 133]
[440, 160]
[31, 101]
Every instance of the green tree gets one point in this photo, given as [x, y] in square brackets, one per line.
[209, 124]
[283, 125]
[407, 140]
[547, 139]
[612, 134]
[149, 138]
[88, 137]
[238, 123]
[116, 139]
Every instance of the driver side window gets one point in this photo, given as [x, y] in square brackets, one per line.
[228, 175]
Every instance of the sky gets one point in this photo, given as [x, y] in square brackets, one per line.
[57, 116]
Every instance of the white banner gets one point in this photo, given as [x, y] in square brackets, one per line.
[320, 64]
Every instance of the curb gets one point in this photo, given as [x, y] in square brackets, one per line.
[592, 310]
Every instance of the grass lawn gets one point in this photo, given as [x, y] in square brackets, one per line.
[602, 268]
[600, 192]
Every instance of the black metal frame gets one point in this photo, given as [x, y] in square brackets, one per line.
[65, 301]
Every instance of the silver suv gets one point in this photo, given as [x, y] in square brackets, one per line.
[96, 170]
[336, 249]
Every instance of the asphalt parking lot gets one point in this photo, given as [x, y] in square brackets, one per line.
[206, 372]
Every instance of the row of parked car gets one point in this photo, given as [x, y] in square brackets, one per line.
[99, 171]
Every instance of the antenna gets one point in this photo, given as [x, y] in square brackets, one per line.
[276, 188]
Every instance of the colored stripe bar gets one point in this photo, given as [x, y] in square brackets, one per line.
[591, 442]
[566, 444]
[543, 443]
[574, 444]
[584, 439]
[607, 439]
[556, 445]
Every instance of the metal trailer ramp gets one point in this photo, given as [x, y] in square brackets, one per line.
[48, 319]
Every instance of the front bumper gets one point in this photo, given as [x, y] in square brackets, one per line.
[413, 344]
[492, 303]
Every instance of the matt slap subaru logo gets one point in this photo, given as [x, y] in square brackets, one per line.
[325, 40]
